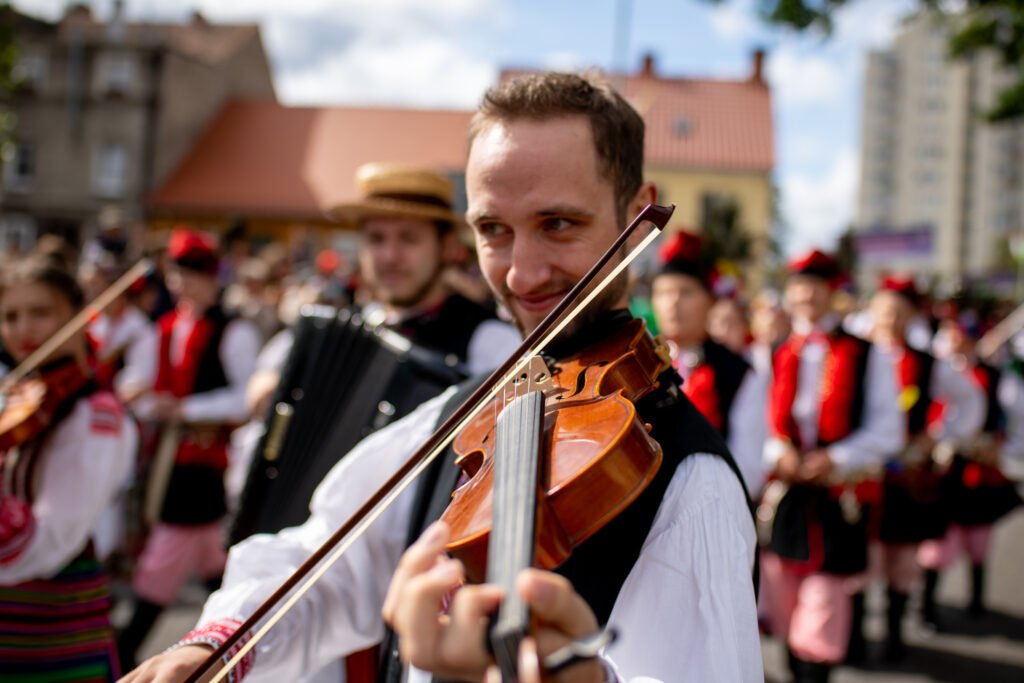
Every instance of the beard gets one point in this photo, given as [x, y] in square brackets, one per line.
[416, 296]
[585, 320]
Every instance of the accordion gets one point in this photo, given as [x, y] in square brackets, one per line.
[343, 380]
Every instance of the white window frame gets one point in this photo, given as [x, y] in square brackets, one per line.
[117, 74]
[16, 179]
[110, 170]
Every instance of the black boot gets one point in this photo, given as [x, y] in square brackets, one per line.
[808, 672]
[128, 642]
[895, 650]
[855, 649]
[977, 606]
[929, 615]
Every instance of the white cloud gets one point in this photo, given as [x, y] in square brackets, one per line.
[423, 71]
[870, 24]
[735, 21]
[818, 208]
[800, 79]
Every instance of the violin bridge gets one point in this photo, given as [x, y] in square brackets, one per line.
[535, 376]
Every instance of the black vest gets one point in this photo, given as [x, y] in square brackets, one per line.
[730, 368]
[917, 416]
[195, 493]
[447, 329]
[599, 566]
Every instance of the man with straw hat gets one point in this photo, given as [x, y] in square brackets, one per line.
[408, 224]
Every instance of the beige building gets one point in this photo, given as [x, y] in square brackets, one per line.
[941, 191]
[107, 110]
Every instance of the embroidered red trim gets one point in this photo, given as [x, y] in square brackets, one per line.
[216, 634]
[17, 528]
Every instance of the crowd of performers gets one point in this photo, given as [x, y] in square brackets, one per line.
[870, 441]
[881, 460]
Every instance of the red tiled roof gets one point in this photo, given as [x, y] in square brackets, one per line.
[264, 159]
[705, 123]
[701, 123]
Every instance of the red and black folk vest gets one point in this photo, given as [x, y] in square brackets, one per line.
[195, 491]
[809, 530]
[914, 374]
[841, 394]
[713, 384]
[200, 369]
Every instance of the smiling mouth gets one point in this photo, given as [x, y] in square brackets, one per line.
[539, 303]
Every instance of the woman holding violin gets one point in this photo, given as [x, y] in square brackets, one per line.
[65, 449]
[554, 172]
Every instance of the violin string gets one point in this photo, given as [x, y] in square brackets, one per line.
[385, 502]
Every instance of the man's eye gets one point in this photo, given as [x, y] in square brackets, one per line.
[490, 229]
[557, 224]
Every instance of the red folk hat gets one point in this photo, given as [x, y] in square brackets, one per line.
[818, 264]
[902, 285]
[193, 250]
[682, 254]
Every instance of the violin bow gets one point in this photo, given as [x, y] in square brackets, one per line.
[79, 321]
[338, 543]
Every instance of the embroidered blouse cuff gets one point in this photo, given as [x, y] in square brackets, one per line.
[841, 457]
[773, 450]
[216, 634]
[17, 527]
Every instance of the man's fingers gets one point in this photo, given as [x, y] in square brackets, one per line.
[463, 643]
[552, 599]
[417, 623]
[529, 661]
[417, 559]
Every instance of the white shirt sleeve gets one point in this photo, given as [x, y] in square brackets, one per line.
[686, 611]
[239, 347]
[139, 370]
[964, 415]
[83, 467]
[883, 426]
[748, 428]
[1011, 398]
[341, 613]
[492, 342]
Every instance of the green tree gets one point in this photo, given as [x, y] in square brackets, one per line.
[996, 25]
[8, 81]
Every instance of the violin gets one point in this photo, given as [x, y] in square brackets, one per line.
[596, 385]
[30, 405]
[549, 466]
[30, 397]
[596, 453]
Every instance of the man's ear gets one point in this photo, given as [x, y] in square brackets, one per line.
[647, 194]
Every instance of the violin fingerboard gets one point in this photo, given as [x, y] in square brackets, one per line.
[517, 447]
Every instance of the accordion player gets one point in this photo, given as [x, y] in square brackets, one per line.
[344, 378]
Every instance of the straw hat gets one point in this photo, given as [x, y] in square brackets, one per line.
[397, 190]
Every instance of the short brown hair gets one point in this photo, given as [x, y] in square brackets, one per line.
[43, 269]
[618, 129]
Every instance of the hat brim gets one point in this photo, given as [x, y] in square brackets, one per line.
[357, 212]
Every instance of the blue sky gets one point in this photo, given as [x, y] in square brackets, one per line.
[444, 53]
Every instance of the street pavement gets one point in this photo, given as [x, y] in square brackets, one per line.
[989, 649]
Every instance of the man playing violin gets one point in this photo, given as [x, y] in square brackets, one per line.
[554, 173]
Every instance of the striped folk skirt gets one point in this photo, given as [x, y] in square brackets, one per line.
[58, 629]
